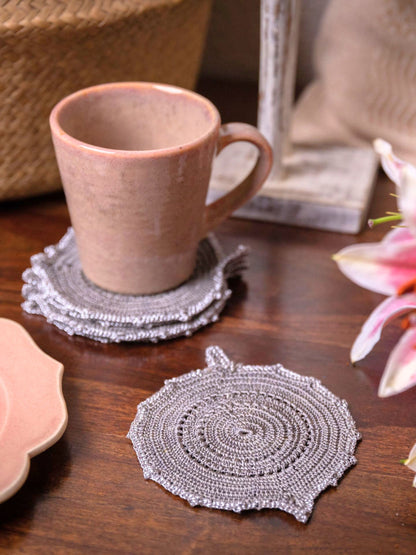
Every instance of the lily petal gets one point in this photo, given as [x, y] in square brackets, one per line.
[411, 461]
[370, 333]
[400, 371]
[390, 162]
[398, 235]
[382, 267]
[407, 197]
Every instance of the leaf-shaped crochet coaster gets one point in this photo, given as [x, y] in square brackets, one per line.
[241, 437]
[57, 289]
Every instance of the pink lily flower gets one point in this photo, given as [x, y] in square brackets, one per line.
[389, 267]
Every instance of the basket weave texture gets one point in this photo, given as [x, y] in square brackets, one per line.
[50, 48]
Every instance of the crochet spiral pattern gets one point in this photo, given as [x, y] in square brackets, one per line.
[57, 289]
[240, 437]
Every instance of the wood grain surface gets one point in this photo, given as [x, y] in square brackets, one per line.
[86, 494]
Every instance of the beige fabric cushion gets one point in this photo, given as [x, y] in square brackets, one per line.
[365, 58]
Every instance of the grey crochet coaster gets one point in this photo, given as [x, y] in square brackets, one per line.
[240, 437]
[57, 289]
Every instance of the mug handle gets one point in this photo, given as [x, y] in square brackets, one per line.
[220, 209]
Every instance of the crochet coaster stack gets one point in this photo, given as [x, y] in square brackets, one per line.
[240, 437]
[56, 288]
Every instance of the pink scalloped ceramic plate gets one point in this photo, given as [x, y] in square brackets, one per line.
[33, 413]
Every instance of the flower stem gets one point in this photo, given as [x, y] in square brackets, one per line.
[385, 219]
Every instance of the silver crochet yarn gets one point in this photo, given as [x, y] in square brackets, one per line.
[240, 437]
[57, 289]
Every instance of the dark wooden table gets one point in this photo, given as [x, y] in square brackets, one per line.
[86, 494]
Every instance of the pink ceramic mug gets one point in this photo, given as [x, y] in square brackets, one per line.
[135, 161]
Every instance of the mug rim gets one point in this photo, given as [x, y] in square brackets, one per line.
[62, 135]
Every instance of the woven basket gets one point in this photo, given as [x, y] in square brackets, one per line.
[50, 48]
